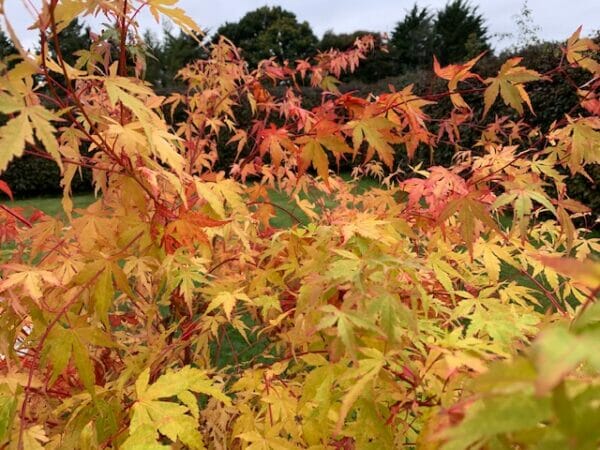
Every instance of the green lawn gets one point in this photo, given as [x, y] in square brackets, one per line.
[51, 205]
[285, 219]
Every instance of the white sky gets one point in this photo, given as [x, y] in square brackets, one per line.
[557, 19]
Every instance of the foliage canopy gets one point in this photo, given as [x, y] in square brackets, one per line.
[448, 308]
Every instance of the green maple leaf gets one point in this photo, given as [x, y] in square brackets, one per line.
[490, 417]
[8, 407]
[557, 352]
[366, 372]
[176, 421]
[62, 345]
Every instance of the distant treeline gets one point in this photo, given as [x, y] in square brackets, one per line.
[454, 33]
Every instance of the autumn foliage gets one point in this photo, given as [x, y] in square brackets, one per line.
[447, 308]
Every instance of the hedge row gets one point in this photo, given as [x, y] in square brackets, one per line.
[32, 176]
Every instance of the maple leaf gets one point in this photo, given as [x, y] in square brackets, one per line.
[66, 11]
[582, 137]
[330, 84]
[585, 272]
[6, 189]
[346, 323]
[106, 275]
[557, 351]
[491, 254]
[522, 201]
[145, 437]
[437, 190]
[313, 152]
[509, 83]
[187, 229]
[13, 137]
[65, 344]
[270, 440]
[177, 15]
[103, 295]
[177, 421]
[275, 140]
[577, 50]
[405, 110]
[227, 301]
[158, 140]
[212, 195]
[186, 274]
[40, 119]
[10, 104]
[32, 280]
[471, 212]
[35, 438]
[367, 372]
[376, 131]
[456, 73]
[491, 416]
[326, 135]
[241, 137]
[444, 273]
[8, 407]
[590, 100]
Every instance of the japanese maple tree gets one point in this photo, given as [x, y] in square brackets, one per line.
[447, 308]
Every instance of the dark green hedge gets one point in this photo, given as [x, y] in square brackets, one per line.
[31, 176]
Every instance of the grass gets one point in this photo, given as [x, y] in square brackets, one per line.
[50, 205]
[287, 216]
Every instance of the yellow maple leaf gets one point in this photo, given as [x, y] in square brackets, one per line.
[509, 84]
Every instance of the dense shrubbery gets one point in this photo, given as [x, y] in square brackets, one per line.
[448, 308]
[32, 176]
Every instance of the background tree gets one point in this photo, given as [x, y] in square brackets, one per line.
[411, 43]
[153, 57]
[6, 46]
[268, 32]
[459, 32]
[340, 41]
[167, 56]
[73, 38]
[528, 31]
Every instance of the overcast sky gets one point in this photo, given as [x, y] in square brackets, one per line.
[557, 19]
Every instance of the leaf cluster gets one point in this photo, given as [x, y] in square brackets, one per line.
[443, 308]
